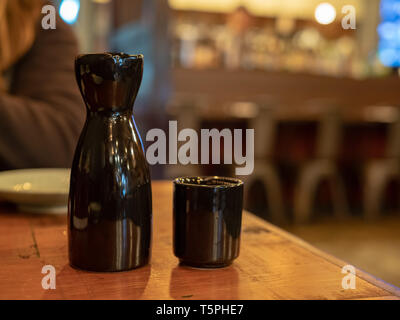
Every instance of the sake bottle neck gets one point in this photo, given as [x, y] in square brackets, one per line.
[109, 82]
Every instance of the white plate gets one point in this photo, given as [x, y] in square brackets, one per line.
[36, 190]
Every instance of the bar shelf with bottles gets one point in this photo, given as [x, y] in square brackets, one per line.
[238, 41]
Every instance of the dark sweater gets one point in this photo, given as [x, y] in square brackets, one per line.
[42, 115]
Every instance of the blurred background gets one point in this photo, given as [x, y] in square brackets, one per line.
[321, 97]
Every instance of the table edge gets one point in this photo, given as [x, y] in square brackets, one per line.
[392, 289]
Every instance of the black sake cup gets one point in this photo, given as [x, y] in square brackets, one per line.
[207, 220]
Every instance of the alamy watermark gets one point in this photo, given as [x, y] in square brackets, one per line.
[49, 280]
[188, 153]
[49, 19]
[349, 280]
[349, 21]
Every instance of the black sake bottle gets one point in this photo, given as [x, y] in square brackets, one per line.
[110, 210]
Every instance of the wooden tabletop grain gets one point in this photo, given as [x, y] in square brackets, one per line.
[272, 265]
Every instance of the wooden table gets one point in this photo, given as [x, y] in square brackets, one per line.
[272, 265]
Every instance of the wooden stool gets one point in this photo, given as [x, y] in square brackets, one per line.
[323, 167]
[264, 126]
[378, 173]
[185, 109]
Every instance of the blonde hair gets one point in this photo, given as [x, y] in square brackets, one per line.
[18, 20]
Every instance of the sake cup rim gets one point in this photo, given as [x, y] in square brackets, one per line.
[121, 55]
[198, 182]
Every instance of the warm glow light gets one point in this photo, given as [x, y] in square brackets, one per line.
[293, 9]
[69, 10]
[325, 13]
